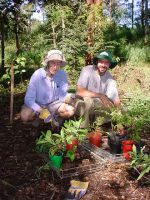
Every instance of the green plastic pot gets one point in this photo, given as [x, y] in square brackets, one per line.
[56, 161]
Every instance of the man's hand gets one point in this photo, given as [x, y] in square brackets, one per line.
[106, 102]
[45, 115]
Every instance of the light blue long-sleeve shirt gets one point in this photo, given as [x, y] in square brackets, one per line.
[43, 90]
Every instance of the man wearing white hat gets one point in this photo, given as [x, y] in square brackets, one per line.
[48, 90]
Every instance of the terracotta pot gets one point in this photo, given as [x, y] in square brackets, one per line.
[95, 138]
[72, 144]
[127, 148]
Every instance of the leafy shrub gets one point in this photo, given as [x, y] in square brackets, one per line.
[140, 161]
[138, 54]
[19, 69]
[134, 115]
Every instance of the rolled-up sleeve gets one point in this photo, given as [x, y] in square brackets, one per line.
[112, 91]
[84, 78]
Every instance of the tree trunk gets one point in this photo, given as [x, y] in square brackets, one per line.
[2, 69]
[17, 36]
[63, 28]
[97, 2]
[110, 8]
[12, 94]
[54, 35]
[142, 15]
[132, 13]
[146, 22]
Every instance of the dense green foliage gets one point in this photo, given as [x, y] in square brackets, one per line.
[76, 28]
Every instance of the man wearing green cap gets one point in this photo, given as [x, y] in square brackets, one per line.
[96, 87]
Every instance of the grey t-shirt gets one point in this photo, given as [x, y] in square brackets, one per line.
[92, 81]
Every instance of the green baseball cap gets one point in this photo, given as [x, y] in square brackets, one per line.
[104, 55]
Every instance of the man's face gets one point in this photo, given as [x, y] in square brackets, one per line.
[54, 66]
[103, 66]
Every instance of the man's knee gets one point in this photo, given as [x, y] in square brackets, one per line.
[88, 102]
[26, 114]
[66, 111]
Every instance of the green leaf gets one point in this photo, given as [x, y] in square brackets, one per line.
[147, 170]
[23, 70]
[70, 154]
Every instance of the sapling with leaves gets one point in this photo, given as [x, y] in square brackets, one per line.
[96, 125]
[72, 134]
[95, 134]
[71, 130]
[51, 143]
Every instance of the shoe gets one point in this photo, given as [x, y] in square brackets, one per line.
[80, 108]
[56, 123]
[36, 122]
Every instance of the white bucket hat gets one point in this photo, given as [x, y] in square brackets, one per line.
[54, 55]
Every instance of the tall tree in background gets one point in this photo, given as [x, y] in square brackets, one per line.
[142, 14]
[2, 19]
[2, 35]
[146, 28]
[132, 13]
[91, 25]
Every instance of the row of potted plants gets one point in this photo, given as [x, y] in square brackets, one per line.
[126, 124]
[65, 143]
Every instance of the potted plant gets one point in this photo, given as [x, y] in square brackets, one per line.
[115, 138]
[73, 134]
[54, 145]
[95, 135]
[120, 120]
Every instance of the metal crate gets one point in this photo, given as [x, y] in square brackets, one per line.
[99, 164]
[103, 153]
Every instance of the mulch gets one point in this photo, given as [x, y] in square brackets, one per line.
[21, 179]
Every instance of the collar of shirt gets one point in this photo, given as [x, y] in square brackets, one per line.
[44, 74]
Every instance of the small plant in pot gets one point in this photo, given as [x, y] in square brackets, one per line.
[115, 137]
[119, 121]
[134, 131]
[73, 135]
[54, 145]
[95, 135]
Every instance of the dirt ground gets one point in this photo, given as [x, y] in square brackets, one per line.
[20, 178]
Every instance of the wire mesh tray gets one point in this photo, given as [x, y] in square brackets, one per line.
[103, 153]
[82, 166]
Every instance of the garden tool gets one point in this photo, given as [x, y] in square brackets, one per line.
[76, 190]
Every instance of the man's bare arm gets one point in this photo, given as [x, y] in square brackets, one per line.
[82, 92]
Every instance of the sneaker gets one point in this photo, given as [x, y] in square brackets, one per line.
[80, 108]
[36, 122]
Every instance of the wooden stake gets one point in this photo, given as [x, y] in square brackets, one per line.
[12, 94]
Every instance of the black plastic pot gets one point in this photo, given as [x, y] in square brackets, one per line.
[139, 145]
[114, 142]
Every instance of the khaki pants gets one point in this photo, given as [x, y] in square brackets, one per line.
[90, 108]
[59, 109]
